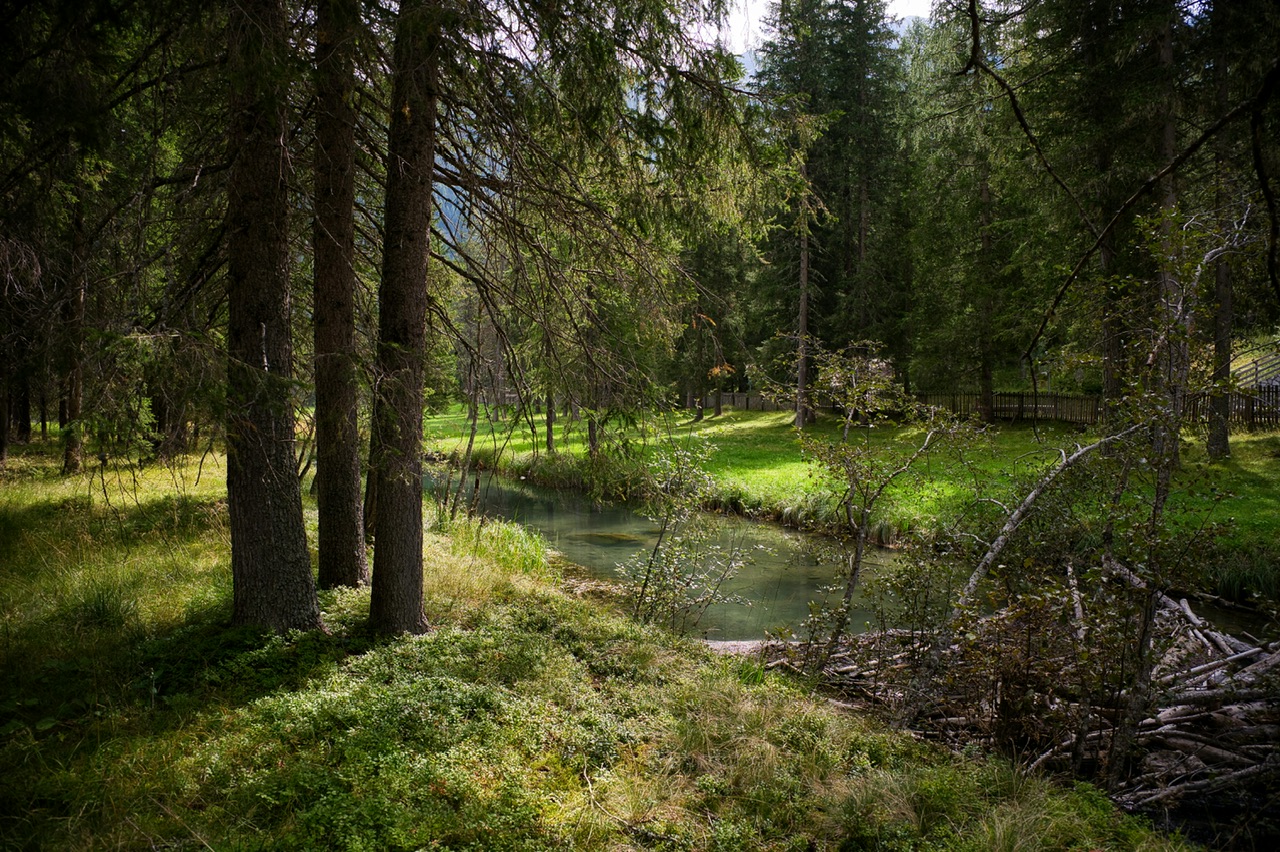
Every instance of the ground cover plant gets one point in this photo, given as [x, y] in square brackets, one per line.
[528, 718]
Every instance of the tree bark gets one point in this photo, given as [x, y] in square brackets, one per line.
[1218, 443]
[987, 266]
[396, 603]
[802, 324]
[551, 423]
[1174, 360]
[22, 408]
[342, 559]
[73, 317]
[1099, 114]
[4, 416]
[271, 568]
[1219, 440]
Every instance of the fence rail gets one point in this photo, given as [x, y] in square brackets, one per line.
[1263, 371]
[1255, 408]
[1062, 407]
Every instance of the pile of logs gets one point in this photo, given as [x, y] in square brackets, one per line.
[1216, 727]
[1211, 737]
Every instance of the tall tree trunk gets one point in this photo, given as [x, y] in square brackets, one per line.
[1175, 314]
[271, 569]
[986, 267]
[1173, 365]
[1218, 443]
[73, 317]
[1219, 440]
[1099, 115]
[22, 408]
[342, 559]
[4, 415]
[396, 604]
[802, 322]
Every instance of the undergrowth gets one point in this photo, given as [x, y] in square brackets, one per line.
[133, 717]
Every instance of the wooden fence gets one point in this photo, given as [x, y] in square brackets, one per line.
[1061, 407]
[746, 402]
[1256, 408]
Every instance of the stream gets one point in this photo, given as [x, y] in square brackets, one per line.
[780, 579]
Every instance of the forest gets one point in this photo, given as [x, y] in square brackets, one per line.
[272, 239]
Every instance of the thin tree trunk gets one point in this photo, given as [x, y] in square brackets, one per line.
[593, 436]
[986, 374]
[864, 235]
[1018, 515]
[802, 324]
[4, 416]
[1174, 362]
[342, 559]
[396, 602]
[73, 317]
[548, 357]
[1099, 115]
[270, 566]
[1218, 443]
[551, 423]
[1219, 440]
[22, 409]
[370, 503]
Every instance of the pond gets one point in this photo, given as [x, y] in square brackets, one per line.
[781, 578]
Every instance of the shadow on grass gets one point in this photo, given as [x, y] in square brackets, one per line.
[72, 714]
[157, 678]
[123, 609]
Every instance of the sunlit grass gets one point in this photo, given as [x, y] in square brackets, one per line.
[760, 469]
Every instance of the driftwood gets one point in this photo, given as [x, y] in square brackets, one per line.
[1214, 730]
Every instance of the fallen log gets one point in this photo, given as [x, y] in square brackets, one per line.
[1202, 785]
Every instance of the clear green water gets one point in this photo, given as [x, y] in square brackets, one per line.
[783, 575]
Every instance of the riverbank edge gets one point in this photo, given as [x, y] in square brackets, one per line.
[1242, 575]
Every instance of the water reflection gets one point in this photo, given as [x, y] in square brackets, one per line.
[784, 574]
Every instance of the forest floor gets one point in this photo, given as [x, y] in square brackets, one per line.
[530, 717]
[761, 469]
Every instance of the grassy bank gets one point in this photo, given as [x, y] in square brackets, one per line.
[529, 718]
[760, 470]
[755, 457]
